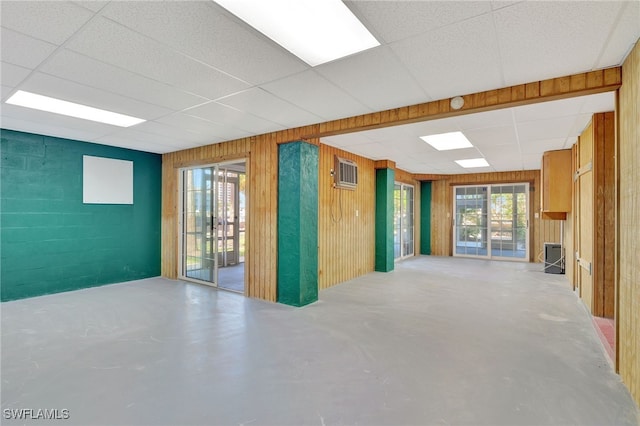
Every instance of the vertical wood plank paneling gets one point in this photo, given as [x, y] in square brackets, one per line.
[609, 201]
[569, 241]
[628, 246]
[346, 240]
[585, 210]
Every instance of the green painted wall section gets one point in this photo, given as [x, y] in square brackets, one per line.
[385, 179]
[297, 223]
[425, 217]
[50, 241]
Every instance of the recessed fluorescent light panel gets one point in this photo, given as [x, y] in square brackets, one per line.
[473, 163]
[447, 141]
[57, 106]
[313, 30]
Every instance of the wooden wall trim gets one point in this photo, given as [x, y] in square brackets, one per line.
[406, 177]
[384, 164]
[428, 177]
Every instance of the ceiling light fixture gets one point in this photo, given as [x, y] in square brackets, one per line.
[473, 163]
[71, 109]
[315, 31]
[447, 141]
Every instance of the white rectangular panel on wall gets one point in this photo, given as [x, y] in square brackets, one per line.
[106, 180]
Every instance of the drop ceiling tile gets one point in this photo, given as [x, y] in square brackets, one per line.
[537, 41]
[311, 92]
[547, 110]
[94, 5]
[539, 146]
[109, 42]
[47, 85]
[375, 78]
[544, 129]
[265, 105]
[458, 59]
[19, 49]
[374, 151]
[482, 120]
[504, 136]
[215, 132]
[500, 152]
[90, 72]
[622, 37]
[459, 154]
[602, 102]
[5, 92]
[52, 21]
[219, 113]
[12, 75]
[125, 141]
[434, 127]
[396, 20]
[495, 5]
[152, 143]
[532, 161]
[204, 31]
[181, 137]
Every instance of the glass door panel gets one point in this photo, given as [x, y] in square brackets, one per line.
[407, 220]
[471, 218]
[403, 226]
[199, 224]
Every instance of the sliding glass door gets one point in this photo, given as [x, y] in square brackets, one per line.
[492, 221]
[403, 241]
[213, 212]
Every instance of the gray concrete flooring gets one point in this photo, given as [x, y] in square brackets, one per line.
[439, 341]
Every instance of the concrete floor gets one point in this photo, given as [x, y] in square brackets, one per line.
[437, 341]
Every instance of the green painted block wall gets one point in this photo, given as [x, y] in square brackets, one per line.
[385, 179]
[50, 241]
[297, 223]
[425, 217]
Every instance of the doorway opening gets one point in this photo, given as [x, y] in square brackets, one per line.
[492, 221]
[213, 225]
[403, 238]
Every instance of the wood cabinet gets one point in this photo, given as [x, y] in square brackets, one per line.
[556, 184]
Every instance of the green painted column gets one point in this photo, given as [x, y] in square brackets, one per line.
[385, 180]
[297, 223]
[425, 217]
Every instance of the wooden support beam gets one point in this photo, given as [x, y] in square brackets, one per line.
[605, 80]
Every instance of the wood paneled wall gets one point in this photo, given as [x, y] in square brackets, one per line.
[592, 226]
[570, 236]
[346, 235]
[628, 246]
[541, 231]
[584, 218]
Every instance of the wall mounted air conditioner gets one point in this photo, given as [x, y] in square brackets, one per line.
[346, 173]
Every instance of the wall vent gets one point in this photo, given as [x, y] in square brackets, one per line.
[346, 173]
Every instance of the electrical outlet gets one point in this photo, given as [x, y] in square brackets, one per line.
[357, 213]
